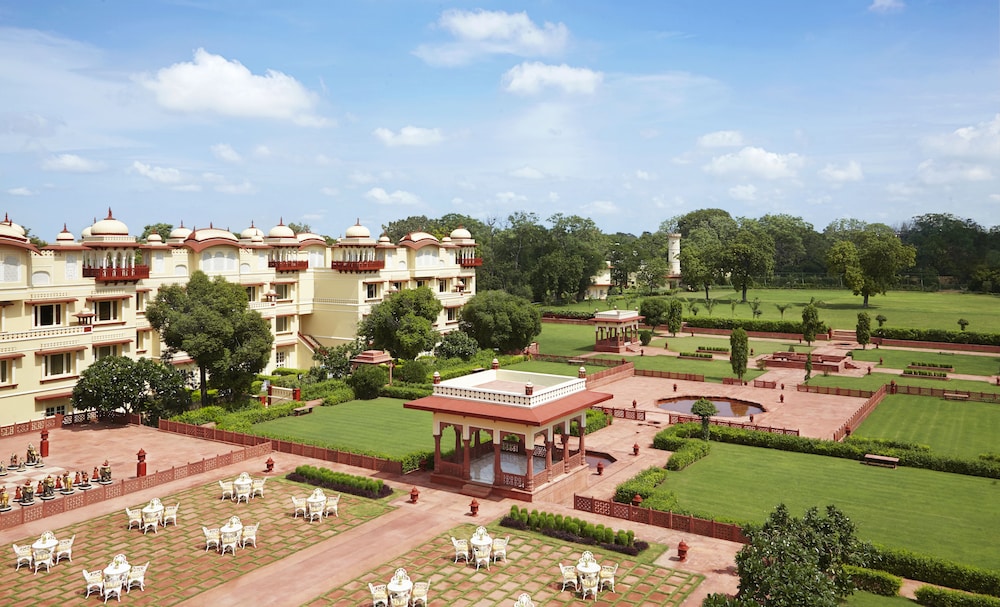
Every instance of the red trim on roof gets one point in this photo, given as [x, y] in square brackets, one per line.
[284, 282]
[535, 416]
[108, 297]
[60, 350]
[66, 394]
[11, 355]
[42, 302]
[113, 342]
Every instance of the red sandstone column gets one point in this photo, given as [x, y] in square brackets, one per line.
[437, 452]
[466, 459]
[529, 475]
[548, 455]
[583, 449]
[43, 447]
[497, 468]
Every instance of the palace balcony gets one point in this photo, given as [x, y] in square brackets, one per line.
[470, 262]
[129, 274]
[373, 265]
[288, 266]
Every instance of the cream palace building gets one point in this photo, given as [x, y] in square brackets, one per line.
[68, 304]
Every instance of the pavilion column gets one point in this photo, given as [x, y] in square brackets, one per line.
[437, 450]
[497, 469]
[529, 474]
[548, 452]
[466, 459]
[565, 442]
[458, 438]
[583, 433]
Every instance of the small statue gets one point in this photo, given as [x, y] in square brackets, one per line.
[13, 460]
[105, 472]
[17, 493]
[27, 492]
[3, 469]
[40, 490]
[49, 488]
[4, 498]
[86, 479]
[76, 481]
[59, 484]
[67, 482]
[96, 475]
[32, 455]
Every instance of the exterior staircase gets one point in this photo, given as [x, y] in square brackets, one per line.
[842, 335]
[476, 490]
[310, 342]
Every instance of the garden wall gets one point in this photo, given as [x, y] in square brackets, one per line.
[64, 503]
[936, 345]
[760, 334]
[666, 520]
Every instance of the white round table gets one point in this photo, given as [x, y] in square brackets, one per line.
[230, 527]
[481, 542]
[116, 568]
[587, 568]
[403, 586]
[154, 510]
[45, 544]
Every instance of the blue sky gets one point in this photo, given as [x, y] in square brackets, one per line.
[232, 111]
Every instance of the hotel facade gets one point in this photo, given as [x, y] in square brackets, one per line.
[73, 302]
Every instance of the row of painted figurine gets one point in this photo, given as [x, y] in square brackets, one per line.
[26, 493]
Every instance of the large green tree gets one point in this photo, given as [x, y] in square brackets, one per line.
[749, 255]
[119, 383]
[863, 330]
[499, 320]
[675, 315]
[869, 259]
[403, 323]
[791, 562]
[654, 311]
[210, 321]
[811, 324]
[738, 351]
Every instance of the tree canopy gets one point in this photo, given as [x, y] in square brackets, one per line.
[116, 383]
[210, 321]
[738, 354]
[403, 323]
[869, 259]
[499, 320]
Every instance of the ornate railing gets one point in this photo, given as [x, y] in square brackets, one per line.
[470, 262]
[288, 265]
[358, 266]
[117, 274]
[667, 520]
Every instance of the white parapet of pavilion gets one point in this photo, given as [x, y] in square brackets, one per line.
[513, 388]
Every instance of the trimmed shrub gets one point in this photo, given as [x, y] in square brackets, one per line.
[689, 453]
[941, 597]
[705, 355]
[580, 532]
[764, 326]
[413, 372]
[875, 582]
[364, 486]
[939, 335]
[933, 570]
[596, 419]
[643, 484]
[367, 380]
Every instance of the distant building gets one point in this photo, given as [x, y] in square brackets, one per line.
[73, 302]
[600, 283]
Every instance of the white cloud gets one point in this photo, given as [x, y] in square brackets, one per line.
[328, 191]
[721, 139]
[71, 163]
[901, 191]
[601, 207]
[224, 151]
[399, 197]
[755, 161]
[212, 84]
[649, 133]
[886, 6]
[361, 177]
[850, 172]
[20, 192]
[527, 172]
[995, 197]
[643, 175]
[157, 174]
[743, 192]
[324, 160]
[481, 32]
[188, 187]
[977, 141]
[236, 188]
[457, 201]
[529, 78]
[553, 197]
[409, 135]
[509, 197]
[931, 173]
[262, 151]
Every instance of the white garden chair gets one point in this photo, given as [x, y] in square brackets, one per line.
[95, 581]
[482, 556]
[332, 505]
[524, 600]
[243, 493]
[258, 487]
[380, 595]
[23, 554]
[316, 510]
[500, 548]
[136, 575]
[588, 585]
[134, 516]
[65, 548]
[212, 537]
[227, 489]
[300, 506]
[42, 557]
[461, 549]
[229, 540]
[419, 593]
[113, 586]
[249, 535]
[170, 514]
[150, 520]
[607, 576]
[568, 576]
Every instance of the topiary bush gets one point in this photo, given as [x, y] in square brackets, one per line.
[367, 380]
[873, 581]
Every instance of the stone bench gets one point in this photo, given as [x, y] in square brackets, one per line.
[881, 460]
[307, 407]
[955, 396]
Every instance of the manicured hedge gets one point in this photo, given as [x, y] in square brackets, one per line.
[932, 596]
[939, 335]
[924, 373]
[933, 570]
[764, 326]
[691, 451]
[932, 365]
[407, 391]
[572, 529]
[570, 314]
[596, 420]
[914, 456]
[714, 349]
[364, 486]
[704, 355]
[644, 484]
[873, 581]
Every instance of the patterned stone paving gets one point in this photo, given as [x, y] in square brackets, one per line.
[179, 565]
[532, 567]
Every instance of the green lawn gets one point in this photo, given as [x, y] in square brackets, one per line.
[959, 429]
[867, 599]
[966, 364]
[553, 368]
[946, 515]
[876, 379]
[565, 340]
[686, 343]
[840, 308]
[381, 425]
[713, 370]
